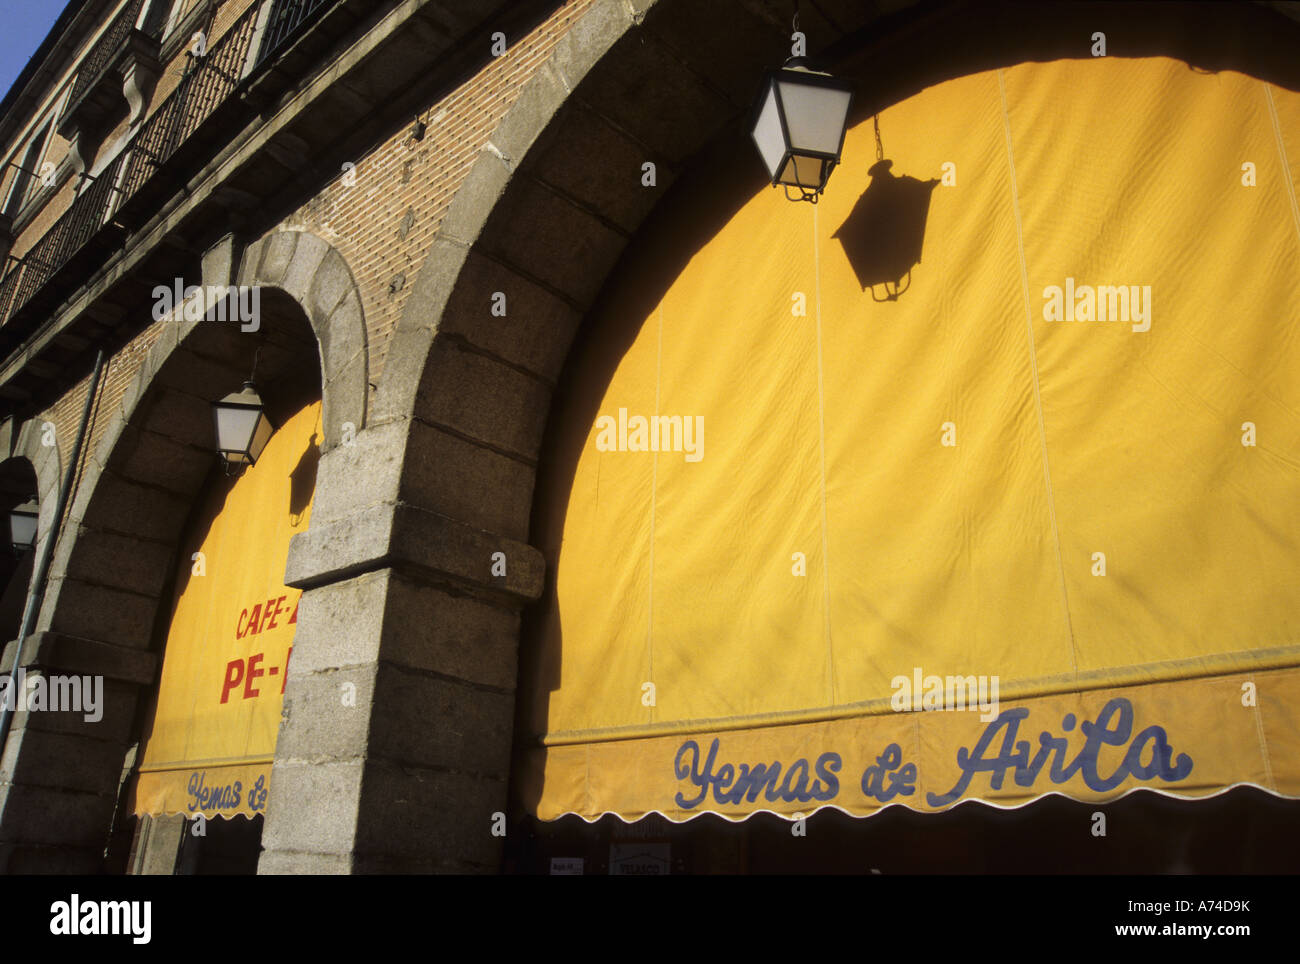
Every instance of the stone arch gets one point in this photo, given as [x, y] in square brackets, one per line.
[313, 273]
[197, 360]
[113, 567]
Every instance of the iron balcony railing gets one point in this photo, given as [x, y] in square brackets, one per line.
[105, 49]
[208, 83]
[55, 248]
[287, 16]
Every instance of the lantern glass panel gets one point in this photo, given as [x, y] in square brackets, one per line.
[806, 172]
[261, 435]
[767, 132]
[814, 115]
[235, 427]
[22, 528]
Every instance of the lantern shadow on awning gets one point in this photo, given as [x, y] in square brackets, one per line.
[302, 480]
[883, 234]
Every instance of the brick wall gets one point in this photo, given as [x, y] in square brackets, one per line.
[119, 372]
[384, 224]
[227, 14]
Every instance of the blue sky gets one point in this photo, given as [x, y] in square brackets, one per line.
[23, 25]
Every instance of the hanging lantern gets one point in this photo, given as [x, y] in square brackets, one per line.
[242, 426]
[22, 525]
[798, 125]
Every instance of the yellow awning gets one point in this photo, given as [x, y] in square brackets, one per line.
[807, 476]
[211, 737]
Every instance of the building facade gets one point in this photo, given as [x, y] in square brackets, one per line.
[447, 238]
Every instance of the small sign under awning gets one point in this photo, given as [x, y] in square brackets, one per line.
[640, 860]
